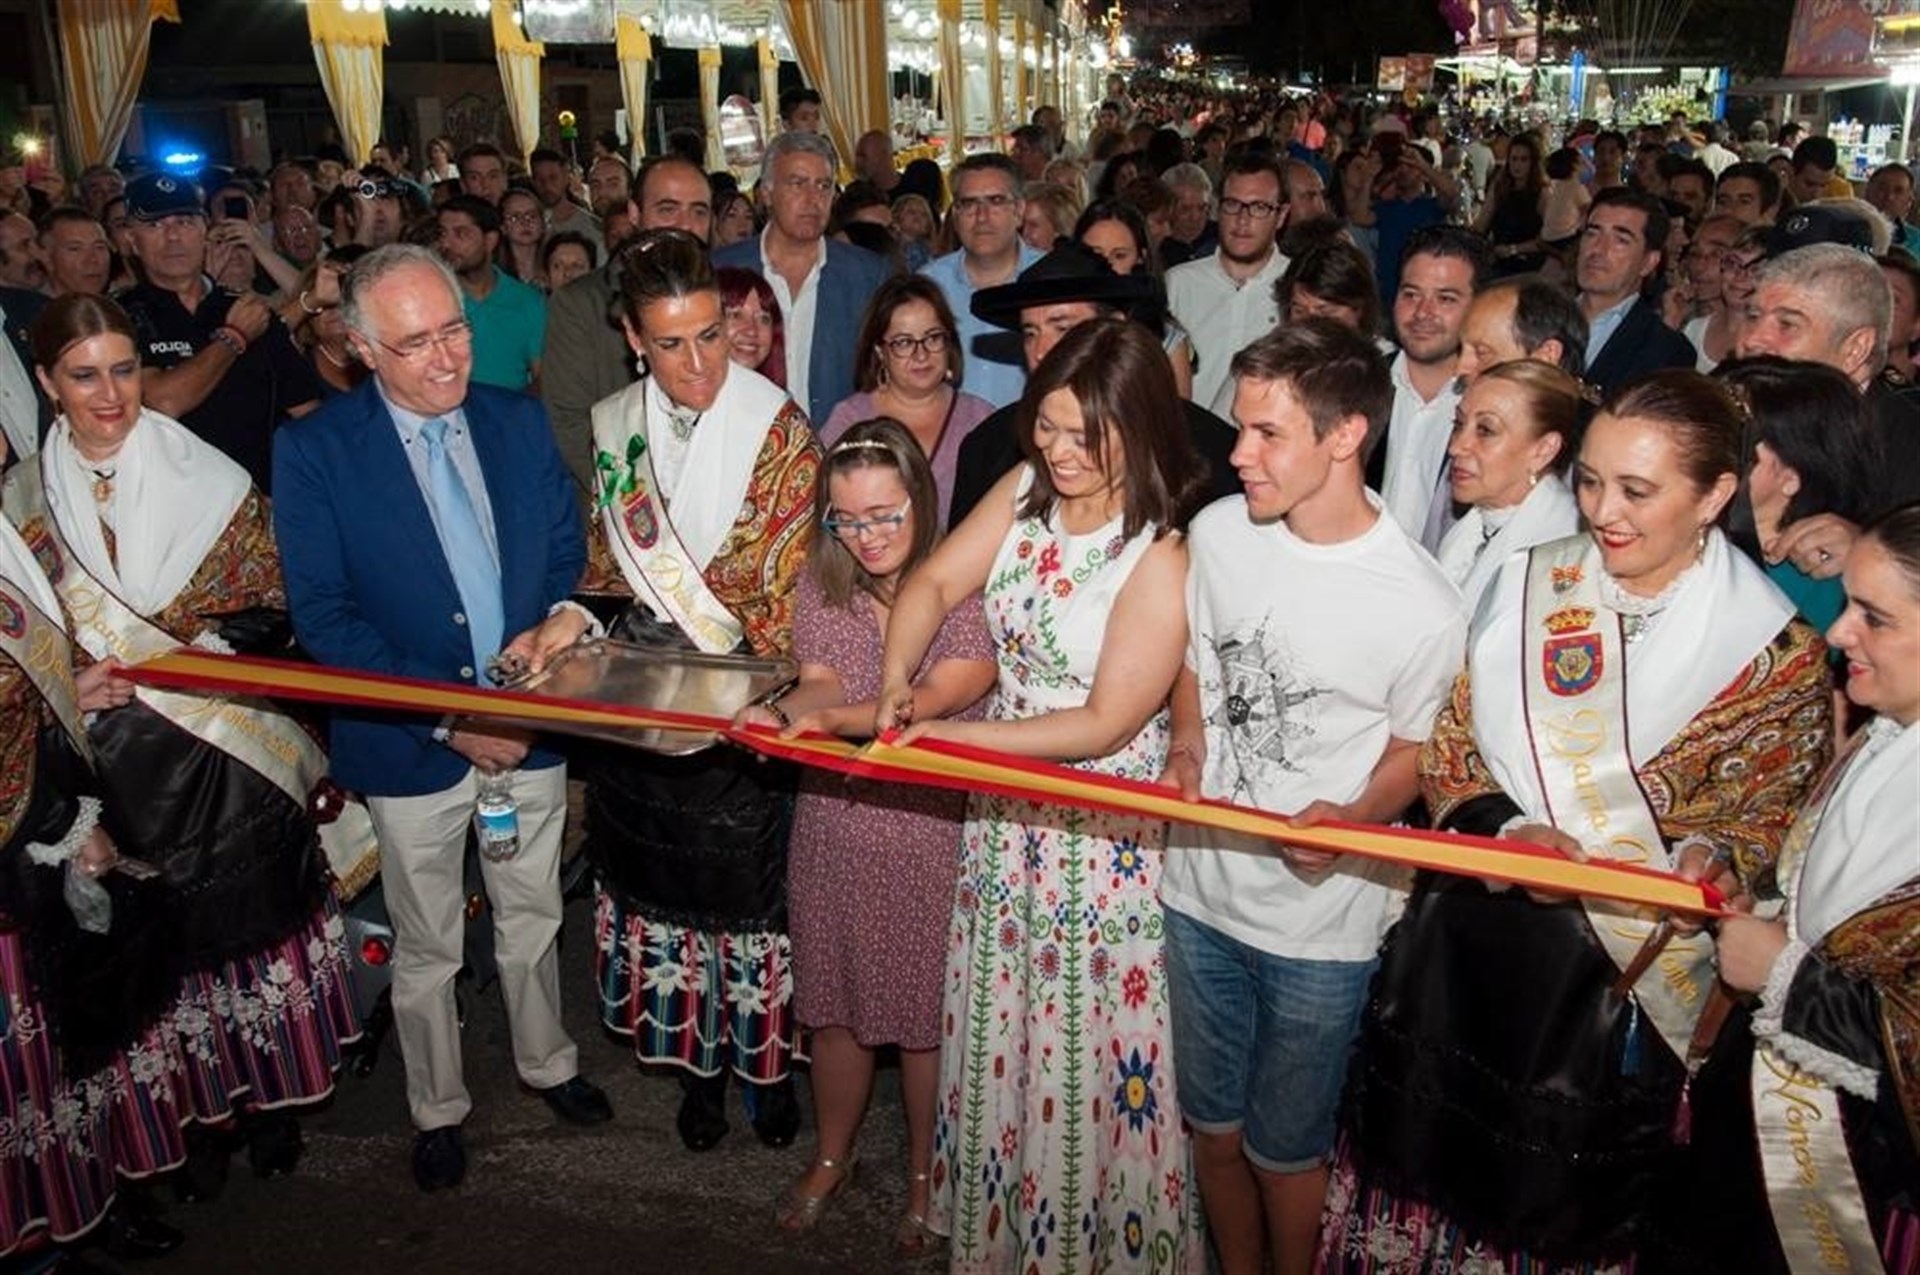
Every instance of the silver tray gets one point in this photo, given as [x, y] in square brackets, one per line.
[604, 671]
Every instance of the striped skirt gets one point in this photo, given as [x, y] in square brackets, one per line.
[65, 1141]
[708, 1002]
[265, 1031]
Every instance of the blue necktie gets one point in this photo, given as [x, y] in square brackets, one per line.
[465, 544]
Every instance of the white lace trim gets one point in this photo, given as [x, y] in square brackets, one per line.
[1822, 1064]
[85, 820]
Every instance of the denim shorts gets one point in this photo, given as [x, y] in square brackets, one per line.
[1260, 1042]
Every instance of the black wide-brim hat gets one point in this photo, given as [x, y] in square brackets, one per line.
[1071, 272]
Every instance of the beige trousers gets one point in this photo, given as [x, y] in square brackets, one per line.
[422, 844]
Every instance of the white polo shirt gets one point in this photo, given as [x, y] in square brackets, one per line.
[1222, 316]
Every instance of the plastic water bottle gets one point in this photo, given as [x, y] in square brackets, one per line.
[496, 817]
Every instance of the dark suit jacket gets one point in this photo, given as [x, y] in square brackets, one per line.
[847, 282]
[369, 585]
[993, 448]
[22, 309]
[1641, 344]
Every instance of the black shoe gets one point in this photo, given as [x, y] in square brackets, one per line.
[132, 1236]
[775, 1112]
[274, 1143]
[703, 1111]
[578, 1101]
[204, 1176]
[439, 1159]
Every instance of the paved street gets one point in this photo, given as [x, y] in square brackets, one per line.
[540, 1196]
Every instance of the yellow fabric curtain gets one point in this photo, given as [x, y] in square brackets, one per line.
[710, 107]
[103, 50]
[842, 49]
[633, 48]
[1019, 70]
[519, 60]
[953, 80]
[1041, 97]
[347, 48]
[769, 86]
[996, 78]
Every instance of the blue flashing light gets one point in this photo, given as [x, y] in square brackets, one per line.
[183, 160]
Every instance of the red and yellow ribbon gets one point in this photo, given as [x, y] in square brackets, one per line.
[943, 764]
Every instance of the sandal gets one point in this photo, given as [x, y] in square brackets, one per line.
[800, 1213]
[913, 1238]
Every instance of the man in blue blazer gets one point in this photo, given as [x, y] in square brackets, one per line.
[1621, 248]
[421, 521]
[822, 285]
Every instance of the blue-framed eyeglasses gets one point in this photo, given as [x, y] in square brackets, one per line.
[879, 524]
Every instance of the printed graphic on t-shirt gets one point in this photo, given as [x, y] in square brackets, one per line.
[1263, 703]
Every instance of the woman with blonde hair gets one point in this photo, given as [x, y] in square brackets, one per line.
[1051, 212]
[1514, 435]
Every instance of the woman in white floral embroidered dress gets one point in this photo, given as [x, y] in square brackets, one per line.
[1058, 1145]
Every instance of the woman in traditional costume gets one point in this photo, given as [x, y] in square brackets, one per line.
[1512, 441]
[1826, 1093]
[154, 540]
[1058, 1145]
[86, 1077]
[702, 520]
[1635, 693]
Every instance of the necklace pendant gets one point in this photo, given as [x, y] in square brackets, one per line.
[102, 487]
[1633, 627]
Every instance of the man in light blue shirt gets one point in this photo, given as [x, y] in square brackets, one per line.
[987, 212]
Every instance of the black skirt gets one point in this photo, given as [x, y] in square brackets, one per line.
[1500, 1079]
[699, 840]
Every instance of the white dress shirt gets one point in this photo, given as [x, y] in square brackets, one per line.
[797, 313]
[1416, 448]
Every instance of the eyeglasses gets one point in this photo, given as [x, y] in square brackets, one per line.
[969, 204]
[1258, 209]
[455, 336]
[1734, 263]
[523, 219]
[879, 524]
[903, 346]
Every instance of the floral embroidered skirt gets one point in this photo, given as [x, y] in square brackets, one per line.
[265, 1031]
[65, 1141]
[1058, 1145]
[708, 1001]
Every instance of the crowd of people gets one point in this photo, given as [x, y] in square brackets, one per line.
[1386, 470]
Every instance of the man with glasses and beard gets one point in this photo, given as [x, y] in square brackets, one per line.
[1226, 301]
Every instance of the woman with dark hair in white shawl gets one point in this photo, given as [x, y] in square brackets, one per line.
[1823, 1101]
[153, 539]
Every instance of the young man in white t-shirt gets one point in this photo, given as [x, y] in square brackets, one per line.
[1323, 641]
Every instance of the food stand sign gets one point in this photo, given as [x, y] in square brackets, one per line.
[1832, 37]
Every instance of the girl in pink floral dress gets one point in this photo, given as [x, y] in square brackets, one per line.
[870, 864]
